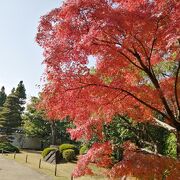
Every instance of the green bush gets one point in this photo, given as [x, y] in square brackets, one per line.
[83, 150]
[69, 155]
[7, 147]
[63, 147]
[170, 146]
[46, 151]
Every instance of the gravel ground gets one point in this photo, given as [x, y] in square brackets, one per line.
[11, 170]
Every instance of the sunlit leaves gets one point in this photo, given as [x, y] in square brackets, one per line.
[136, 50]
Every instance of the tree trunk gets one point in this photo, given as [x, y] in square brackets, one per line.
[53, 132]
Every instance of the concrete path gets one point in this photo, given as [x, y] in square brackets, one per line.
[11, 170]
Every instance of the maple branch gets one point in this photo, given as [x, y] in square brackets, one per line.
[146, 104]
[142, 45]
[161, 95]
[149, 71]
[105, 41]
[165, 75]
[120, 52]
[152, 47]
[130, 60]
[138, 57]
[109, 35]
[149, 57]
[114, 99]
[122, 90]
[155, 82]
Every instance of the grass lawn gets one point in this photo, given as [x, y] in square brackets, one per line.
[63, 170]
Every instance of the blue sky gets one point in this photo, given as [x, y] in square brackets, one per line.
[20, 56]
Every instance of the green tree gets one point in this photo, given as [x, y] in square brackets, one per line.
[10, 116]
[20, 92]
[35, 124]
[2, 96]
[146, 136]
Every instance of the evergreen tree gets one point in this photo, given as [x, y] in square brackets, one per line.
[10, 116]
[13, 90]
[2, 96]
[20, 92]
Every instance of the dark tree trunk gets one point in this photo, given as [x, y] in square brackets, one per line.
[53, 132]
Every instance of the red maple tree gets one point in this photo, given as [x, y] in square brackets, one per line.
[136, 48]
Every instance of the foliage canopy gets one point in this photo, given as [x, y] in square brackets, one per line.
[136, 48]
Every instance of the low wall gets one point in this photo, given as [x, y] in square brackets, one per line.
[25, 142]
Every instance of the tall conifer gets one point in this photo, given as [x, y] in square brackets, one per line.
[2, 96]
[10, 114]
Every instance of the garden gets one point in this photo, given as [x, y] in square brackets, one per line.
[109, 107]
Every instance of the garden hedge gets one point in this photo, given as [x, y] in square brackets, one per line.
[46, 151]
[63, 147]
[69, 155]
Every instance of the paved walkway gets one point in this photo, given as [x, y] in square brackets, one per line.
[11, 170]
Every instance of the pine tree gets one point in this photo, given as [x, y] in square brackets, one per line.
[20, 92]
[10, 116]
[2, 96]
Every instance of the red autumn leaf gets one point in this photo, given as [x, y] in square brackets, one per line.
[129, 40]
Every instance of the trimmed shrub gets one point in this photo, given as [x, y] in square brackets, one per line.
[8, 147]
[46, 151]
[83, 150]
[63, 147]
[69, 155]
